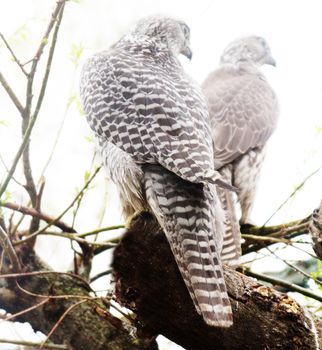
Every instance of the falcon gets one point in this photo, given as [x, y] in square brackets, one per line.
[152, 125]
[243, 111]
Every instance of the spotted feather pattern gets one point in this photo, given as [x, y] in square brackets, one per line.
[152, 124]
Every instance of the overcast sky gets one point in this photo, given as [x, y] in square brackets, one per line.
[292, 29]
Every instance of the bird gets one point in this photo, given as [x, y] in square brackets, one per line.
[152, 126]
[243, 111]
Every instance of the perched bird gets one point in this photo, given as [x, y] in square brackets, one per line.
[243, 111]
[152, 124]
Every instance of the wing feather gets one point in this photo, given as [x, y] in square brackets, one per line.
[243, 112]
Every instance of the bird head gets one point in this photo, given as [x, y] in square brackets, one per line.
[172, 33]
[250, 49]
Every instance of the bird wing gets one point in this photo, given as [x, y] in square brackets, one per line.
[151, 110]
[243, 112]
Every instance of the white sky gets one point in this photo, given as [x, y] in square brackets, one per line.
[293, 29]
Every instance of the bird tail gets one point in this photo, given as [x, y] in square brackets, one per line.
[186, 212]
[231, 250]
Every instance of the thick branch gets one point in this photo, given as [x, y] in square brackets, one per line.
[88, 325]
[149, 283]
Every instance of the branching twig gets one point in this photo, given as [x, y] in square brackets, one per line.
[29, 123]
[35, 213]
[63, 213]
[13, 55]
[61, 318]
[9, 249]
[295, 268]
[293, 194]
[22, 312]
[274, 234]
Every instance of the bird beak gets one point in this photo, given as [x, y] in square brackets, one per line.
[187, 52]
[270, 60]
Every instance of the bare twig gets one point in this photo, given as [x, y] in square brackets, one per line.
[101, 274]
[292, 194]
[28, 124]
[74, 237]
[265, 239]
[22, 312]
[295, 268]
[63, 213]
[290, 286]
[9, 249]
[35, 213]
[11, 94]
[284, 231]
[61, 318]
[13, 55]
[56, 18]
[102, 229]
[34, 344]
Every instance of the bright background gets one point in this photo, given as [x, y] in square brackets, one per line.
[291, 27]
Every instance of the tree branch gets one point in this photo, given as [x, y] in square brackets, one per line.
[13, 55]
[150, 284]
[82, 329]
[9, 249]
[40, 215]
[11, 94]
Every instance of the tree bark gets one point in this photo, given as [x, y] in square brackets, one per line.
[149, 283]
[87, 326]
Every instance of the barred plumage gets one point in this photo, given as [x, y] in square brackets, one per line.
[152, 123]
[243, 114]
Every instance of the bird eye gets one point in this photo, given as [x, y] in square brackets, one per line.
[186, 31]
[263, 42]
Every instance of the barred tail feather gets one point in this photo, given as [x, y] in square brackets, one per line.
[185, 210]
[231, 250]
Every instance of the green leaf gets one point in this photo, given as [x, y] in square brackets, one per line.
[76, 53]
[86, 175]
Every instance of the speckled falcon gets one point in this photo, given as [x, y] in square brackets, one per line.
[152, 124]
[243, 112]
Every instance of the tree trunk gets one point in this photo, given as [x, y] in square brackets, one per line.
[149, 283]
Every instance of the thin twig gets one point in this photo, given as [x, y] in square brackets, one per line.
[17, 314]
[295, 268]
[290, 286]
[102, 229]
[9, 249]
[26, 111]
[63, 213]
[101, 274]
[61, 318]
[292, 194]
[56, 18]
[42, 273]
[265, 239]
[13, 55]
[34, 344]
[74, 237]
[11, 94]
[35, 213]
